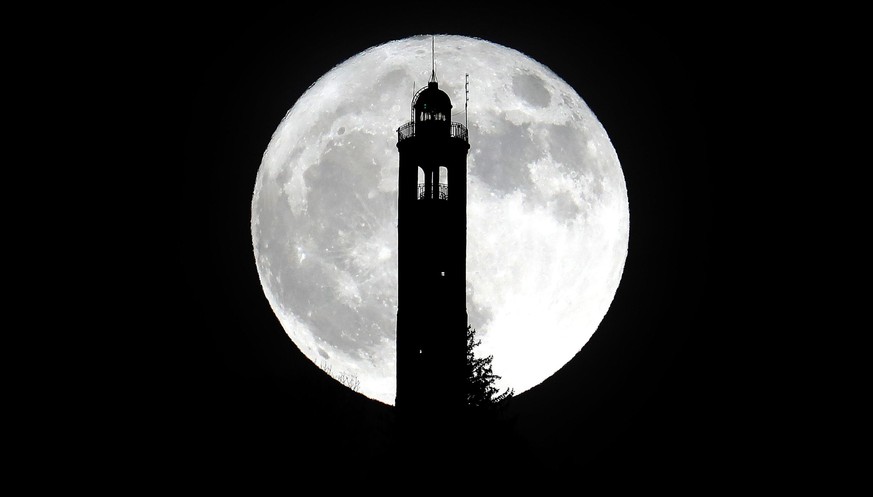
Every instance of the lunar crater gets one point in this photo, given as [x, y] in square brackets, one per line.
[531, 89]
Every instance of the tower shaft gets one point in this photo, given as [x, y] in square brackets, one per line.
[432, 237]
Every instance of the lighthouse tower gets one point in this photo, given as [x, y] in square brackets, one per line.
[432, 238]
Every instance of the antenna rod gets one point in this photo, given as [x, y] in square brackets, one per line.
[466, 96]
[432, 58]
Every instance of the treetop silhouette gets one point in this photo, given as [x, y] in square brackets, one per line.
[481, 392]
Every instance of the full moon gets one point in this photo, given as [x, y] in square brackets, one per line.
[547, 211]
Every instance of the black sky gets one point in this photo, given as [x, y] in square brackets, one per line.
[640, 401]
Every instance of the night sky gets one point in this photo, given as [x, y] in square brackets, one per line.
[640, 401]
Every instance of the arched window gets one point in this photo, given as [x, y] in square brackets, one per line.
[442, 189]
[421, 187]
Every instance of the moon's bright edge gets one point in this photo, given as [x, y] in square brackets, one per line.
[547, 226]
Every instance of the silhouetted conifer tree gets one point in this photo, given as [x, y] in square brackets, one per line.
[481, 393]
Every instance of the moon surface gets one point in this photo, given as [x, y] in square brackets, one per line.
[547, 220]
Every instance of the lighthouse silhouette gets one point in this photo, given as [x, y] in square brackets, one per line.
[432, 238]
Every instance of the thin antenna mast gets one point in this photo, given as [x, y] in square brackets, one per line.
[466, 96]
[432, 58]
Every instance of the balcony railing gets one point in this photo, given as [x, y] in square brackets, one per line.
[440, 192]
[456, 130]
